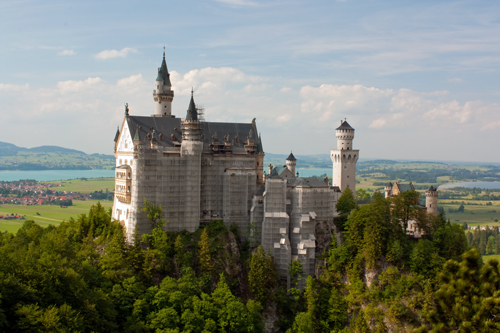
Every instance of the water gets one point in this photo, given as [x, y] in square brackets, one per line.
[47, 175]
[314, 172]
[485, 185]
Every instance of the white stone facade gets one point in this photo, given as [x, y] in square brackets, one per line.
[202, 171]
[344, 158]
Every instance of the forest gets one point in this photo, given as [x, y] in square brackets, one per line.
[84, 276]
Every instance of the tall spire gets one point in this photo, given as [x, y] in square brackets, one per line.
[163, 74]
[192, 113]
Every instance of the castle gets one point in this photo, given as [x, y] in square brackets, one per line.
[200, 171]
[431, 196]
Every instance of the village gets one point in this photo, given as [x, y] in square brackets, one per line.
[30, 192]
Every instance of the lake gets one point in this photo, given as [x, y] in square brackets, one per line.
[314, 172]
[486, 185]
[46, 175]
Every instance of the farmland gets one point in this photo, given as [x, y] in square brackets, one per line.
[49, 214]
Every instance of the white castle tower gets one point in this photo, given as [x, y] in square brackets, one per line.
[291, 162]
[431, 198]
[163, 93]
[344, 158]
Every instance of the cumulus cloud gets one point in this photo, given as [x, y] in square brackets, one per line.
[209, 80]
[109, 54]
[91, 108]
[13, 87]
[66, 53]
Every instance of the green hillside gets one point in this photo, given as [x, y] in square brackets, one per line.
[50, 157]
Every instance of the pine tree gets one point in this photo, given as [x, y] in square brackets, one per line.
[204, 254]
[376, 230]
[262, 275]
[344, 206]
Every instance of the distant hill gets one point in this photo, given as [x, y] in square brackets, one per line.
[13, 157]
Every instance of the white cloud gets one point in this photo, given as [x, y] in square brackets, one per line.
[13, 87]
[384, 118]
[285, 90]
[239, 2]
[209, 80]
[74, 86]
[66, 53]
[109, 54]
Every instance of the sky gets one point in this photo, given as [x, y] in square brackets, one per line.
[417, 80]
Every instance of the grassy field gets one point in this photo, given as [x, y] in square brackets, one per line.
[488, 257]
[48, 214]
[86, 186]
[475, 215]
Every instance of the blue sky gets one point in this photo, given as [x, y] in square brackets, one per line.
[417, 80]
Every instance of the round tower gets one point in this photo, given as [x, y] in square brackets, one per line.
[291, 162]
[344, 158]
[345, 135]
[163, 93]
[431, 199]
[388, 189]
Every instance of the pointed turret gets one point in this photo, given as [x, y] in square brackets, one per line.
[291, 162]
[192, 113]
[163, 93]
[163, 74]
[191, 126]
[117, 135]
[137, 136]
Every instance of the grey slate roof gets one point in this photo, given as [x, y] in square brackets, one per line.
[344, 125]
[277, 171]
[432, 189]
[291, 157]
[405, 187]
[192, 114]
[170, 128]
[117, 134]
[305, 182]
[163, 74]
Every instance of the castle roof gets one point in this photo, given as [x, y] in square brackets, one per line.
[137, 135]
[117, 134]
[291, 157]
[169, 132]
[404, 187]
[432, 188]
[306, 182]
[192, 113]
[344, 125]
[163, 74]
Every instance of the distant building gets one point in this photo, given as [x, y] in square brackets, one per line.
[431, 196]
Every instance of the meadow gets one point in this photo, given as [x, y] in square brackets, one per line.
[488, 257]
[49, 214]
[372, 174]
[86, 185]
